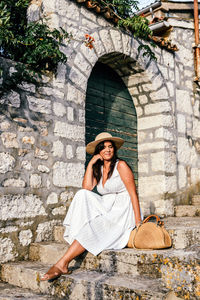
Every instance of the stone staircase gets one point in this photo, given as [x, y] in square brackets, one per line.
[112, 275]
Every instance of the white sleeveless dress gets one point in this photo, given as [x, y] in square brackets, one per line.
[101, 222]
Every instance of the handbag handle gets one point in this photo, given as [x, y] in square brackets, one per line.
[159, 222]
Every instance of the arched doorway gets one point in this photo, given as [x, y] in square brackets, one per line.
[109, 107]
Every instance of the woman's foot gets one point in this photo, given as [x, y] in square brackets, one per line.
[54, 272]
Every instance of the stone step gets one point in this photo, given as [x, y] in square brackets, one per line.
[11, 292]
[184, 231]
[83, 285]
[173, 266]
[187, 210]
[196, 200]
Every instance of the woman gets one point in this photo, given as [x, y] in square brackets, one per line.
[93, 222]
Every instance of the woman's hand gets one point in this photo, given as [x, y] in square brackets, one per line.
[95, 158]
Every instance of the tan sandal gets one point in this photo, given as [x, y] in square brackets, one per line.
[53, 273]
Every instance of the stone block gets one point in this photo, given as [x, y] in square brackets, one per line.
[52, 198]
[161, 94]
[7, 250]
[25, 237]
[163, 133]
[5, 125]
[59, 109]
[82, 63]
[164, 161]
[45, 230]
[157, 108]
[68, 174]
[35, 181]
[68, 131]
[155, 121]
[196, 128]
[28, 140]
[13, 99]
[81, 116]
[57, 148]
[182, 176]
[106, 40]
[66, 197]
[58, 234]
[43, 169]
[143, 99]
[7, 162]
[146, 147]
[41, 154]
[26, 164]
[196, 200]
[19, 183]
[80, 153]
[69, 152]
[181, 123]
[70, 114]
[183, 101]
[78, 78]
[184, 151]
[117, 40]
[59, 211]
[164, 207]
[75, 95]
[9, 140]
[39, 105]
[20, 206]
[187, 211]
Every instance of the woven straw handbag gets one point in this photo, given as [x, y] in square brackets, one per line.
[150, 235]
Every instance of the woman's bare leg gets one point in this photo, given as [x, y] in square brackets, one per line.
[62, 264]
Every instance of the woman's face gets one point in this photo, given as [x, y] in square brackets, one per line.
[108, 151]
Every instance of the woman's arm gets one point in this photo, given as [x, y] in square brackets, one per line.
[89, 181]
[128, 179]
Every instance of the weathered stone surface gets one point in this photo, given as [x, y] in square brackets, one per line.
[14, 183]
[35, 181]
[45, 230]
[43, 169]
[68, 174]
[7, 162]
[59, 211]
[66, 197]
[28, 140]
[7, 250]
[155, 121]
[111, 287]
[41, 154]
[164, 161]
[187, 211]
[9, 140]
[70, 114]
[25, 237]
[183, 102]
[13, 99]
[39, 105]
[68, 131]
[11, 292]
[80, 153]
[59, 109]
[57, 148]
[26, 164]
[52, 198]
[5, 125]
[164, 207]
[69, 152]
[20, 206]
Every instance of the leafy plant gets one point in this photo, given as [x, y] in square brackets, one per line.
[34, 46]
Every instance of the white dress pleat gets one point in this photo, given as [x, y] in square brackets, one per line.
[101, 222]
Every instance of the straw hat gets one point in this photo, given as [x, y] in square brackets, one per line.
[103, 136]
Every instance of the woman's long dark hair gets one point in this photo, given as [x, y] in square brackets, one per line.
[97, 166]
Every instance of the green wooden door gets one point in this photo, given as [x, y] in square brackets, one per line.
[109, 107]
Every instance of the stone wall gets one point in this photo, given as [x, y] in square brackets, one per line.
[42, 129]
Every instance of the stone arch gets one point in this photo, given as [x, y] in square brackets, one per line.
[152, 101]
